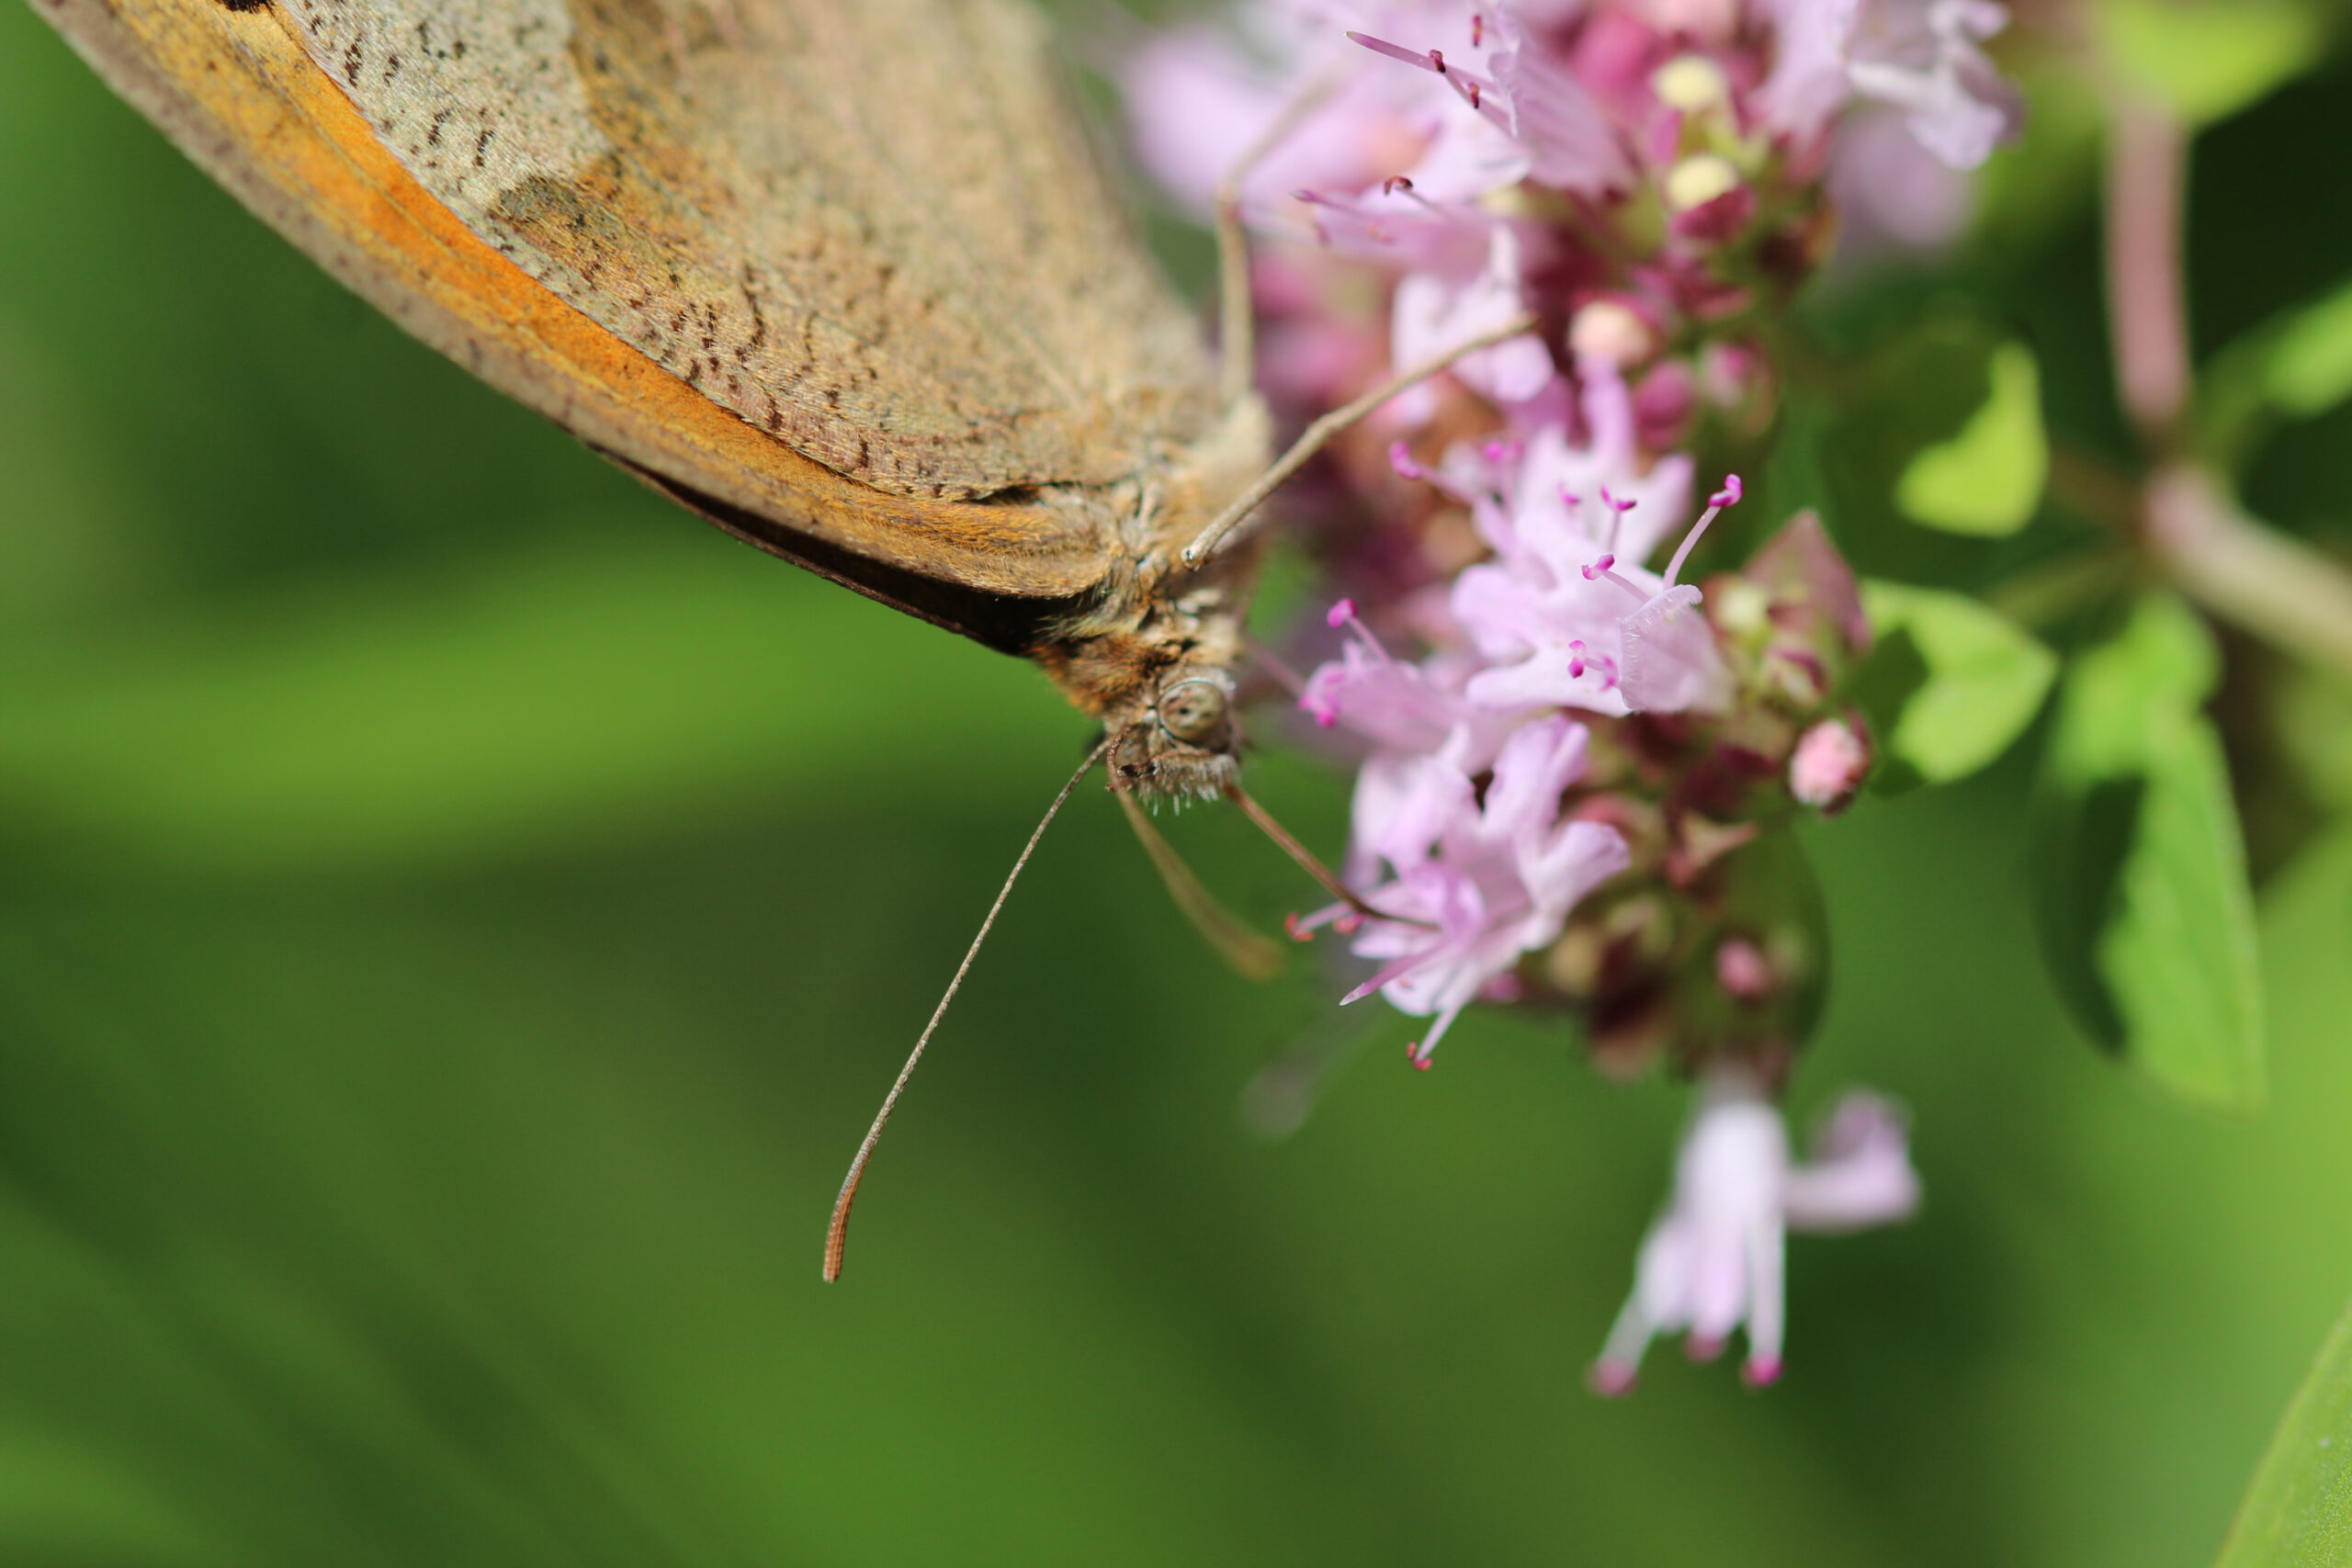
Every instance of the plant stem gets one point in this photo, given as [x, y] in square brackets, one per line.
[2270, 586]
[2273, 588]
[2147, 158]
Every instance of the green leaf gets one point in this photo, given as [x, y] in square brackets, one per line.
[2296, 364]
[2145, 913]
[1948, 685]
[1988, 479]
[2212, 59]
[2297, 1513]
[2310, 363]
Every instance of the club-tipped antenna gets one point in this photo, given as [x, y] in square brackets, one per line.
[1323, 431]
[837, 1233]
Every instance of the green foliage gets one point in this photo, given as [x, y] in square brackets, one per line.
[2297, 1512]
[1948, 685]
[387, 722]
[2145, 912]
[2309, 367]
[1941, 426]
[2212, 58]
[457, 915]
[1986, 479]
[2296, 365]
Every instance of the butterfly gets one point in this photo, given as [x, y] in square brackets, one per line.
[842, 277]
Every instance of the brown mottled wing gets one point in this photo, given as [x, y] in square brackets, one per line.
[1018, 340]
[866, 226]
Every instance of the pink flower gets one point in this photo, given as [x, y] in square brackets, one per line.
[1563, 615]
[1929, 66]
[1479, 881]
[1400, 706]
[1714, 1260]
[1433, 315]
[1411, 713]
[1922, 58]
[1892, 195]
[1808, 85]
[1200, 99]
[1554, 131]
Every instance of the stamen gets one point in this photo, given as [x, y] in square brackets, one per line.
[1341, 614]
[1617, 509]
[1421, 1061]
[1394, 184]
[1621, 1353]
[1474, 89]
[1432, 60]
[1395, 969]
[1400, 462]
[1303, 928]
[1477, 30]
[1727, 496]
[1611, 1379]
[1273, 664]
[1600, 570]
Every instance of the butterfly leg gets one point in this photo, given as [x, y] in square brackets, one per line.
[1236, 313]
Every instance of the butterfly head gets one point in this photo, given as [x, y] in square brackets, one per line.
[1182, 743]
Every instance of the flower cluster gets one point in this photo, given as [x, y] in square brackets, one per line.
[1576, 766]
[1646, 177]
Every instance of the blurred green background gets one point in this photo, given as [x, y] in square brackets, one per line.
[457, 915]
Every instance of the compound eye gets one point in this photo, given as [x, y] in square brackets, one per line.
[1192, 711]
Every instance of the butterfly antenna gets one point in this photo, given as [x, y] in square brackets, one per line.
[837, 1233]
[1323, 431]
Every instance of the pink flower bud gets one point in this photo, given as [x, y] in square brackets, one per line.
[1830, 763]
[1743, 971]
[1611, 330]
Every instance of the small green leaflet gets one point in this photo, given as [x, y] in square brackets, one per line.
[1947, 686]
[2297, 1513]
[2309, 363]
[1988, 479]
[2209, 58]
[2146, 918]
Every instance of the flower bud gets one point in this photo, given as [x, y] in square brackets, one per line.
[1700, 179]
[1611, 331]
[1690, 84]
[1830, 763]
[1664, 401]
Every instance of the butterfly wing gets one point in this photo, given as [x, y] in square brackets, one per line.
[841, 275]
